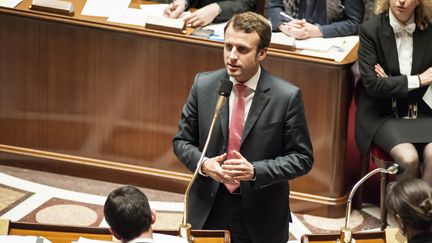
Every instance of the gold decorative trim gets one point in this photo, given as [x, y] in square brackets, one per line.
[94, 162]
[98, 163]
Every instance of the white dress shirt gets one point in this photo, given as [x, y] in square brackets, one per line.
[251, 84]
[404, 44]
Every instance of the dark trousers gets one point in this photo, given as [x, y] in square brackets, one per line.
[227, 214]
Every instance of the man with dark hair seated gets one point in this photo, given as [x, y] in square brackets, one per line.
[128, 213]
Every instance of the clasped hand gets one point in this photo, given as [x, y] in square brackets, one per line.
[230, 171]
[300, 29]
[200, 17]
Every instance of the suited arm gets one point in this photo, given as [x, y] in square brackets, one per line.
[298, 157]
[392, 86]
[273, 9]
[229, 8]
[353, 17]
[185, 142]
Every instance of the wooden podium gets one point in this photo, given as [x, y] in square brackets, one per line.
[67, 234]
[370, 237]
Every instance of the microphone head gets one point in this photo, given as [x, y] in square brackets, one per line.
[401, 170]
[225, 87]
[395, 169]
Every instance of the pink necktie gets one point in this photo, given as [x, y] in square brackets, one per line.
[236, 126]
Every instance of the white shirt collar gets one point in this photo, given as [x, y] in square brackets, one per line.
[141, 240]
[394, 21]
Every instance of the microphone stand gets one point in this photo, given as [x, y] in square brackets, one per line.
[346, 232]
[185, 227]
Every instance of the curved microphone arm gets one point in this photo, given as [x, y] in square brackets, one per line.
[224, 93]
[195, 174]
[393, 169]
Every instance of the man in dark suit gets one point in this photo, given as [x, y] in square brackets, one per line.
[316, 18]
[275, 146]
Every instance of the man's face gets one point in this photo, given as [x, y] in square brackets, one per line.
[403, 9]
[241, 56]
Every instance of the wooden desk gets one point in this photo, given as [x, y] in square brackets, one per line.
[66, 234]
[86, 97]
[370, 237]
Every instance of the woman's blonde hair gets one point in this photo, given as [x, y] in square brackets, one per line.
[423, 11]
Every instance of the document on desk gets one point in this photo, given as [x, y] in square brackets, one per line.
[160, 238]
[22, 239]
[314, 44]
[131, 16]
[331, 48]
[281, 41]
[9, 3]
[427, 97]
[158, 10]
[105, 8]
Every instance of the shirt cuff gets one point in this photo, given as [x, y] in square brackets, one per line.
[413, 82]
[199, 169]
[254, 169]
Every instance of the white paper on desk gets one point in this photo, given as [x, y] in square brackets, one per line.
[22, 239]
[281, 39]
[130, 16]
[315, 44]
[159, 238]
[339, 48]
[9, 3]
[427, 97]
[155, 9]
[85, 240]
[158, 10]
[105, 8]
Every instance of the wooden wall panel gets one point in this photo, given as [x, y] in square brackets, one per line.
[110, 98]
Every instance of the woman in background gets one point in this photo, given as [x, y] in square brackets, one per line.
[395, 60]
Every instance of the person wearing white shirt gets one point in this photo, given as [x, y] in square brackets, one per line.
[395, 61]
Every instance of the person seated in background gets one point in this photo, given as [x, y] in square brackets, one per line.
[395, 62]
[315, 18]
[410, 202]
[127, 212]
[208, 11]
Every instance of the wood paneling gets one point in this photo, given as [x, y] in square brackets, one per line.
[84, 87]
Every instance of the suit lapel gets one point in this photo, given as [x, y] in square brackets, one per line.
[389, 47]
[419, 49]
[259, 102]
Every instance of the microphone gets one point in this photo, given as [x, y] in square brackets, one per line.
[224, 92]
[394, 169]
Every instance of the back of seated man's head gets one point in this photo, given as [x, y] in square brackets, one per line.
[128, 213]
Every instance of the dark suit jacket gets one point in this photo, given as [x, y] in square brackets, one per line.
[378, 46]
[422, 238]
[314, 11]
[275, 140]
[228, 7]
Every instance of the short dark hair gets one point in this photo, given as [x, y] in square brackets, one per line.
[249, 22]
[411, 199]
[128, 213]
